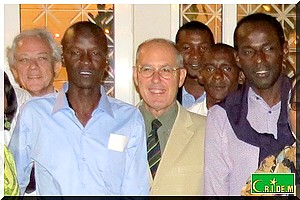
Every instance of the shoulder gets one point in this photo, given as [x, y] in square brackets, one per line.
[122, 107]
[187, 116]
[39, 103]
[22, 95]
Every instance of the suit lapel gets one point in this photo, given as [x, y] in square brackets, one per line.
[180, 136]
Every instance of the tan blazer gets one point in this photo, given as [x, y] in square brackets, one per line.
[180, 171]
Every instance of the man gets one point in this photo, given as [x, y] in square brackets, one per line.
[82, 142]
[219, 75]
[192, 40]
[251, 123]
[35, 60]
[175, 140]
[287, 160]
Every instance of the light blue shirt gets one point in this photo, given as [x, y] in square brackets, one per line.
[106, 157]
[189, 100]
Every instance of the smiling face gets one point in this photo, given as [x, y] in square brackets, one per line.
[192, 45]
[158, 93]
[84, 56]
[34, 67]
[260, 54]
[219, 75]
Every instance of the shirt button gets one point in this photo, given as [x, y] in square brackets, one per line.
[83, 159]
[270, 112]
[257, 98]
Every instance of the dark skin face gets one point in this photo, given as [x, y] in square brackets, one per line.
[219, 75]
[260, 56]
[192, 45]
[84, 56]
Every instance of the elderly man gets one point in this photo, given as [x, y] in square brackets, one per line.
[175, 136]
[91, 144]
[35, 59]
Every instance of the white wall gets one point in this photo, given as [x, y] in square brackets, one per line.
[11, 29]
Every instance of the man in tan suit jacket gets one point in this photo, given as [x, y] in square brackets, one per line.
[158, 74]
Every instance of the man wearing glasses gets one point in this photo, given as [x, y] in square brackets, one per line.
[174, 135]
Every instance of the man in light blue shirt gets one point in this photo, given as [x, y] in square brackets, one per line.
[81, 141]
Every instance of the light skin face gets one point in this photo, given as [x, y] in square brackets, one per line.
[34, 67]
[158, 93]
[260, 55]
[219, 75]
[84, 57]
[192, 45]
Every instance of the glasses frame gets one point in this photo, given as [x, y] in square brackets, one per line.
[293, 105]
[159, 70]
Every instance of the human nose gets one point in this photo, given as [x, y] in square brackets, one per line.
[218, 74]
[85, 58]
[156, 77]
[33, 63]
[259, 56]
[196, 53]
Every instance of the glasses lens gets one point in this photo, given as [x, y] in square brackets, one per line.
[295, 106]
[146, 71]
[167, 72]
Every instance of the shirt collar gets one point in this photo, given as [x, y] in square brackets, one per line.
[61, 102]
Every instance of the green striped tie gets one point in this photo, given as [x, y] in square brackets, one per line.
[154, 153]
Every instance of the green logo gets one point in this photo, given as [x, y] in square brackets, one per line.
[273, 183]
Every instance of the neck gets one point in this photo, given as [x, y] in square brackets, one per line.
[83, 102]
[270, 95]
[193, 87]
[43, 92]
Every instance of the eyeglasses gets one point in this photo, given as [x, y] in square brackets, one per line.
[295, 106]
[165, 71]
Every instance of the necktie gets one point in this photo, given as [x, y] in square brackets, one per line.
[154, 153]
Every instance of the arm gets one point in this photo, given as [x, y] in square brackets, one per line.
[216, 162]
[20, 149]
[136, 179]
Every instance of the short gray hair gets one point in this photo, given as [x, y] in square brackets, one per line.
[43, 34]
[179, 58]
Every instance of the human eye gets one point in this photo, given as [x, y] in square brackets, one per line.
[23, 60]
[75, 52]
[268, 48]
[203, 48]
[166, 69]
[209, 68]
[43, 58]
[146, 68]
[185, 48]
[248, 52]
[226, 69]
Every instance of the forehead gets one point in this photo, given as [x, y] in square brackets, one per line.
[33, 44]
[252, 30]
[218, 54]
[189, 35]
[84, 37]
[157, 51]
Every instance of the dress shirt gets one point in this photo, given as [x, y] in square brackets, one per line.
[106, 157]
[229, 161]
[167, 120]
[199, 108]
[188, 100]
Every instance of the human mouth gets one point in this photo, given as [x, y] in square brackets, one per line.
[85, 73]
[157, 91]
[262, 73]
[34, 76]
